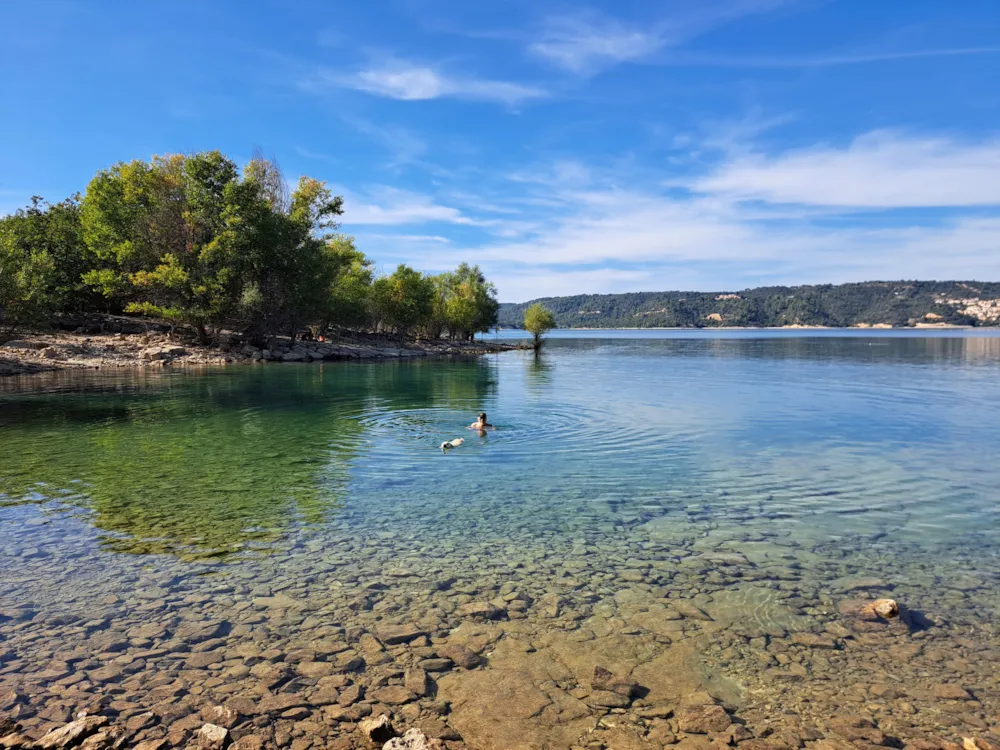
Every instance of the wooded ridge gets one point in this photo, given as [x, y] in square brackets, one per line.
[871, 303]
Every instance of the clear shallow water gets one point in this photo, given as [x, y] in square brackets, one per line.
[820, 433]
[627, 471]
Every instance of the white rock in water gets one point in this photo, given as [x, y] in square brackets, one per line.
[213, 737]
[414, 739]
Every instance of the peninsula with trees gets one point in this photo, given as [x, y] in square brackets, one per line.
[874, 304]
[231, 260]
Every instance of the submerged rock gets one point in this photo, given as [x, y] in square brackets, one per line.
[71, 733]
[704, 719]
[213, 737]
[377, 729]
[884, 608]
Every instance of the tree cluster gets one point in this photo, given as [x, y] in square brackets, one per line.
[195, 240]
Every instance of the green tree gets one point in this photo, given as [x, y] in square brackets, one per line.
[42, 260]
[537, 321]
[349, 296]
[25, 300]
[403, 300]
[465, 303]
[290, 268]
[158, 229]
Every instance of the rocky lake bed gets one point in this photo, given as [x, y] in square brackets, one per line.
[681, 635]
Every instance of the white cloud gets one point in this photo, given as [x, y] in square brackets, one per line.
[823, 60]
[398, 79]
[391, 206]
[582, 45]
[877, 170]
[416, 238]
[814, 215]
[711, 253]
[587, 42]
[811, 216]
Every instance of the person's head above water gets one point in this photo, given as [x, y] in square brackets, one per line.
[481, 423]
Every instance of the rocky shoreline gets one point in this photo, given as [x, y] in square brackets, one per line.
[58, 350]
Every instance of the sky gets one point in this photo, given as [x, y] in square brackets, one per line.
[566, 147]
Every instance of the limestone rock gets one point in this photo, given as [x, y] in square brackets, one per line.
[813, 640]
[71, 733]
[393, 695]
[396, 634]
[415, 681]
[884, 608]
[608, 699]
[702, 719]
[950, 692]
[223, 716]
[414, 739]
[377, 729]
[483, 610]
[213, 737]
[461, 655]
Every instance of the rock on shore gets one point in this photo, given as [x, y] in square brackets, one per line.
[60, 351]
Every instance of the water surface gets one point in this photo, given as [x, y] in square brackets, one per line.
[760, 475]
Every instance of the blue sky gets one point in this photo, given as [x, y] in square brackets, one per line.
[566, 147]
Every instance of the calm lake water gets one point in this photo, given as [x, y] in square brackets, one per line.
[762, 476]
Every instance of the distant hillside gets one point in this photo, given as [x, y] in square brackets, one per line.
[895, 303]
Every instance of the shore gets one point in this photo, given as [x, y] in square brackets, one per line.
[59, 350]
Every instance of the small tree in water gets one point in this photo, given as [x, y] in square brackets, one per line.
[538, 320]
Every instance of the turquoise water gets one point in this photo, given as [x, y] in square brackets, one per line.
[823, 434]
[758, 474]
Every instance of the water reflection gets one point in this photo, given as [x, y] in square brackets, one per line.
[207, 464]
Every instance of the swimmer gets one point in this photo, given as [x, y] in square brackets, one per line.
[449, 444]
[481, 424]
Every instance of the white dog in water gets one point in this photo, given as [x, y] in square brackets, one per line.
[449, 444]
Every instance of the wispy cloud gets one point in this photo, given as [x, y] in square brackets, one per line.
[587, 42]
[392, 206]
[406, 81]
[306, 153]
[882, 169]
[584, 44]
[411, 238]
[821, 214]
[695, 59]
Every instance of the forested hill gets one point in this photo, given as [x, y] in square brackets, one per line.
[895, 303]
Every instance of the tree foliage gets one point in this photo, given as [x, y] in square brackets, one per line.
[194, 239]
[538, 320]
[42, 259]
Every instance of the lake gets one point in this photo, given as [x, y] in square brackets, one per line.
[700, 514]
